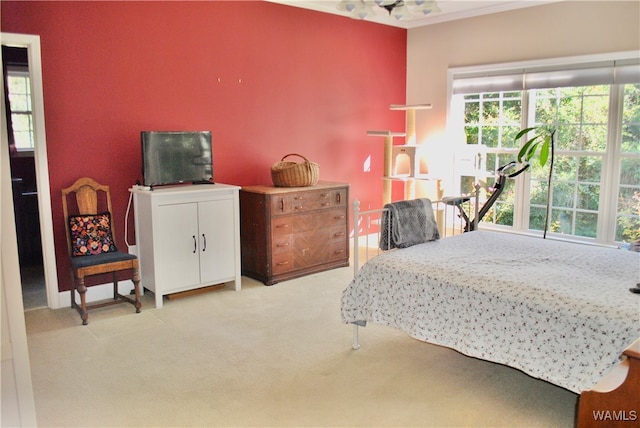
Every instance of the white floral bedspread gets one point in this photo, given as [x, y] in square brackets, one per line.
[558, 311]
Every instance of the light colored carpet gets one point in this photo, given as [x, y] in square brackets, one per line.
[266, 356]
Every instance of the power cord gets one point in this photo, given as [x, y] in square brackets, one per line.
[126, 221]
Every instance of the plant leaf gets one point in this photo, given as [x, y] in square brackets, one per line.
[522, 132]
[529, 149]
[522, 153]
[544, 152]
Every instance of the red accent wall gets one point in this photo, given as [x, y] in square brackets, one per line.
[266, 79]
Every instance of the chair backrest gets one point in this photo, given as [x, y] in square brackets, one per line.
[88, 193]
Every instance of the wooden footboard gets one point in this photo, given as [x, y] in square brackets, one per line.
[615, 400]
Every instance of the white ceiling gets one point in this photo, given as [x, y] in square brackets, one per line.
[450, 10]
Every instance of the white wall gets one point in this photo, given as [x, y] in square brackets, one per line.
[563, 29]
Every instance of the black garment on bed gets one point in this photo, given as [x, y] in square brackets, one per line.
[407, 223]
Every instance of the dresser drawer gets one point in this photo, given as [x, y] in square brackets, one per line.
[282, 263]
[318, 238]
[337, 251]
[339, 198]
[321, 252]
[312, 200]
[282, 243]
[337, 233]
[308, 221]
[282, 226]
[336, 217]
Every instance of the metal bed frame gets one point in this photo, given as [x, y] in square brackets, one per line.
[451, 216]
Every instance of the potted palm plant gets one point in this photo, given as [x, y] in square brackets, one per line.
[541, 147]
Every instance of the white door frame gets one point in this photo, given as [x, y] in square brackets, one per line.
[32, 44]
[17, 388]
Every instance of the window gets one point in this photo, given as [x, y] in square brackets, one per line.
[19, 88]
[580, 117]
[491, 121]
[594, 106]
[628, 207]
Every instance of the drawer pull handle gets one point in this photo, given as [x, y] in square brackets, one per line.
[339, 234]
[339, 251]
[339, 197]
[195, 244]
[298, 207]
[282, 205]
[339, 217]
[283, 244]
[297, 197]
[204, 243]
[324, 195]
[282, 263]
[326, 204]
[282, 226]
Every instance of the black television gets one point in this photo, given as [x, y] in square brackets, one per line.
[176, 157]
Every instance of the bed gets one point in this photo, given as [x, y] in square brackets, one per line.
[561, 312]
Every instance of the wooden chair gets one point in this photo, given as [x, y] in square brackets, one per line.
[91, 244]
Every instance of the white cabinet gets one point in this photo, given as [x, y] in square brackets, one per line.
[187, 237]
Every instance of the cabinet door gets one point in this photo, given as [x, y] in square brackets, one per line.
[177, 249]
[217, 240]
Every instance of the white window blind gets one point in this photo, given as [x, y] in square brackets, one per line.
[608, 72]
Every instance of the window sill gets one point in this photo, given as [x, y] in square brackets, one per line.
[23, 153]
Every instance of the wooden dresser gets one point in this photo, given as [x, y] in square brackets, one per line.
[288, 232]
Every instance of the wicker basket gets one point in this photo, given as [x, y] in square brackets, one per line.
[293, 174]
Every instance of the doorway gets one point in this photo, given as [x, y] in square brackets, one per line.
[15, 69]
[30, 185]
